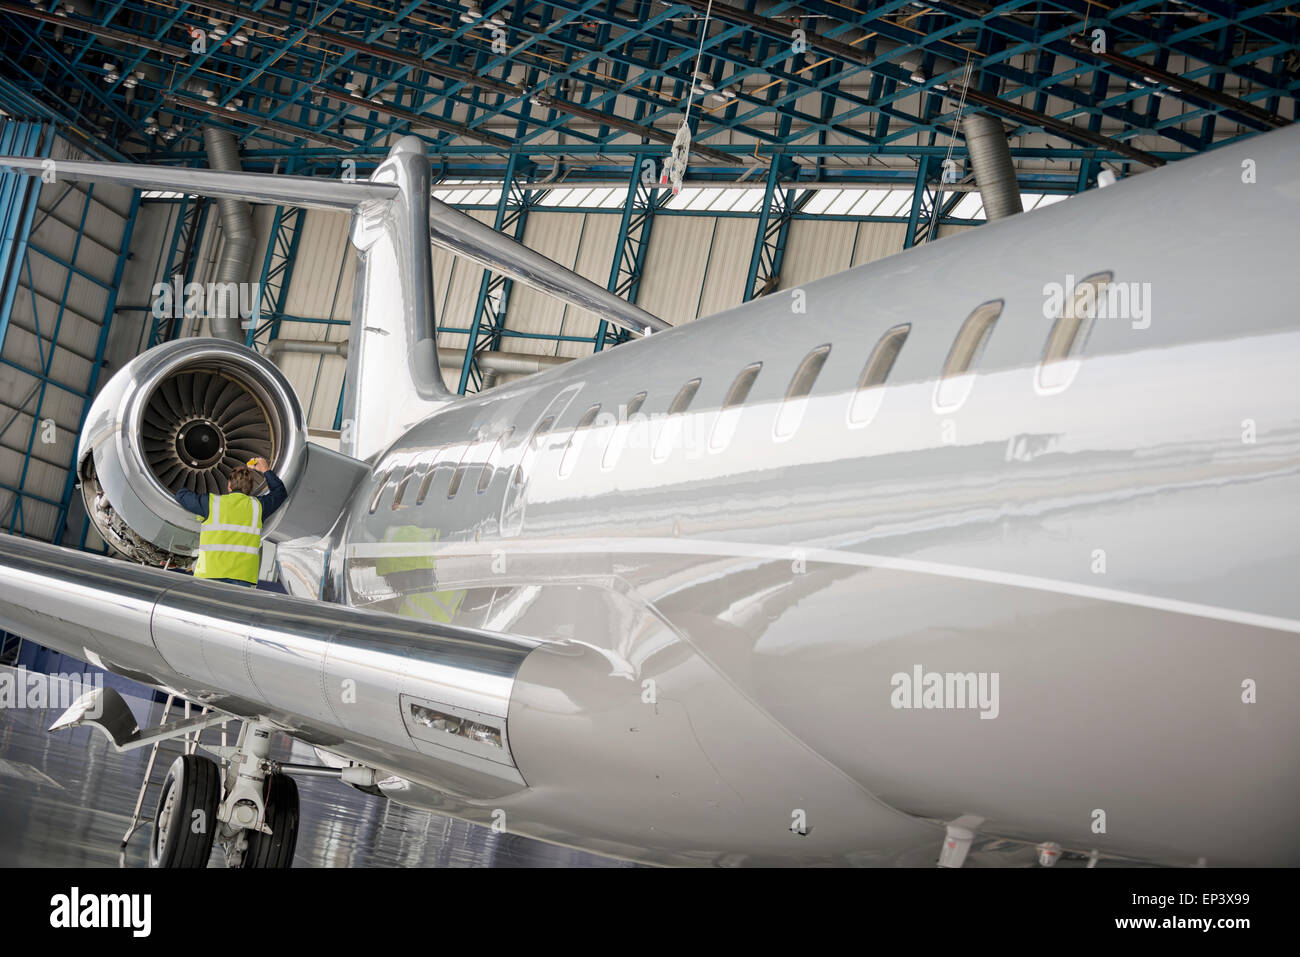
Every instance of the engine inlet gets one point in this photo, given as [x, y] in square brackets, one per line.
[199, 425]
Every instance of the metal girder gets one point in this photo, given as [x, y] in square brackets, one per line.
[17, 207]
[450, 76]
[773, 229]
[929, 207]
[643, 200]
[277, 273]
[101, 345]
[494, 289]
[182, 252]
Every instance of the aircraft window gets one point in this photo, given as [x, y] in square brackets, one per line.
[792, 408]
[490, 465]
[539, 436]
[459, 475]
[870, 392]
[402, 483]
[955, 384]
[724, 427]
[670, 432]
[618, 439]
[577, 438]
[380, 486]
[1069, 334]
[438, 457]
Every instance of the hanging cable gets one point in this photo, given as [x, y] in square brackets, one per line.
[675, 166]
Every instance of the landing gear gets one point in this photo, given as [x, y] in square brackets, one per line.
[249, 806]
[186, 822]
[275, 850]
[259, 813]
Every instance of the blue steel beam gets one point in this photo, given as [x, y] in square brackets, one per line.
[17, 520]
[18, 196]
[636, 223]
[277, 274]
[101, 345]
[770, 237]
[191, 216]
[494, 290]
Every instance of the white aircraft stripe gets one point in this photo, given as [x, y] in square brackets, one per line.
[707, 547]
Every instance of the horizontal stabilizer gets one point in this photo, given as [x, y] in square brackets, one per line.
[465, 235]
[310, 191]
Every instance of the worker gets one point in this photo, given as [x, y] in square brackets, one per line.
[230, 529]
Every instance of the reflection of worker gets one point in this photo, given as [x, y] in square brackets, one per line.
[414, 579]
[230, 530]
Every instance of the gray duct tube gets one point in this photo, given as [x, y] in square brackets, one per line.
[990, 161]
[312, 346]
[237, 230]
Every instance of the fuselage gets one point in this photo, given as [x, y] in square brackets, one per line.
[725, 592]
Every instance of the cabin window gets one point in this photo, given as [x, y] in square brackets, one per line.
[577, 438]
[957, 379]
[539, 438]
[790, 414]
[618, 439]
[380, 486]
[866, 400]
[724, 427]
[1061, 356]
[671, 431]
[462, 467]
[489, 467]
[440, 456]
[402, 484]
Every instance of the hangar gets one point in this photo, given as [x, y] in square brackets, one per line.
[253, 281]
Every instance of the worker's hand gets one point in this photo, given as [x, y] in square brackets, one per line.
[259, 465]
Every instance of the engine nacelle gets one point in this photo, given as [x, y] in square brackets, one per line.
[183, 414]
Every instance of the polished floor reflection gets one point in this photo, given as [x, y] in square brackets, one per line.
[66, 800]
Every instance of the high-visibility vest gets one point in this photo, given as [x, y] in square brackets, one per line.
[230, 538]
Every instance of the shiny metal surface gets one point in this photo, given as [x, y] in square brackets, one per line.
[334, 676]
[111, 451]
[1121, 552]
[312, 192]
[393, 380]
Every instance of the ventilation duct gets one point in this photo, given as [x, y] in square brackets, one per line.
[237, 232]
[990, 161]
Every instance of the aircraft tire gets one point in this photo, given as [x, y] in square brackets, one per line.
[275, 850]
[185, 824]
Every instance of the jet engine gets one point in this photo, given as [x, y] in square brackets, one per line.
[182, 415]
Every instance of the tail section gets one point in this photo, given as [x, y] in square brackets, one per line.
[393, 379]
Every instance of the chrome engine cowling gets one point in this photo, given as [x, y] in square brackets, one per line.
[183, 414]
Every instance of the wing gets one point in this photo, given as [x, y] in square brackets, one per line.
[358, 682]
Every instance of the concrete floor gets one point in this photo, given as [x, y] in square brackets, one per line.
[66, 801]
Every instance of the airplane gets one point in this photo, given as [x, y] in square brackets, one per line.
[989, 545]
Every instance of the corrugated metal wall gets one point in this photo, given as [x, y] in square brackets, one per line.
[51, 344]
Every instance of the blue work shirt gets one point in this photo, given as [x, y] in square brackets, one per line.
[271, 499]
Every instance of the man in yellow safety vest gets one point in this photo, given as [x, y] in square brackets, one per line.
[230, 529]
